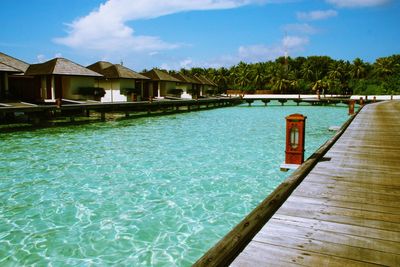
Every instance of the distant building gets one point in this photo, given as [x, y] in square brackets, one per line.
[62, 78]
[13, 84]
[207, 86]
[161, 83]
[187, 85]
[120, 83]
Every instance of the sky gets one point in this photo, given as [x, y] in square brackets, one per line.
[175, 34]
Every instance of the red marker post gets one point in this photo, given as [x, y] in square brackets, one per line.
[295, 141]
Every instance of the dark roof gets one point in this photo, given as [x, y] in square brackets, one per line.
[210, 82]
[199, 81]
[184, 78]
[119, 71]
[99, 66]
[159, 75]
[6, 68]
[60, 66]
[204, 80]
[13, 62]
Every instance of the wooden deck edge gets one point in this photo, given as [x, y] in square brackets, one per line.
[231, 245]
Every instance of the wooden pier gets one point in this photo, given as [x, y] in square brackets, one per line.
[340, 208]
[38, 113]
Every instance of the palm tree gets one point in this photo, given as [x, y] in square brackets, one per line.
[358, 69]
[307, 72]
[258, 76]
[384, 67]
[280, 80]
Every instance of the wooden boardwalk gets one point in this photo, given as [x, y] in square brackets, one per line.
[346, 212]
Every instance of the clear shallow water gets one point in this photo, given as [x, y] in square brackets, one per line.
[151, 191]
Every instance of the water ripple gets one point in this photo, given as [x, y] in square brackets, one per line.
[152, 191]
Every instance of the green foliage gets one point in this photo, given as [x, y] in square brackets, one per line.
[308, 74]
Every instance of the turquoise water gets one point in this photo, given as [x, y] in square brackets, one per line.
[151, 191]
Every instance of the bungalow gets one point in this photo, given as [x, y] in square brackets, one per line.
[119, 82]
[207, 86]
[5, 70]
[62, 78]
[161, 83]
[187, 85]
[13, 84]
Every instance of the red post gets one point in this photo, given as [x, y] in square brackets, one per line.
[295, 137]
[374, 99]
[361, 101]
[351, 106]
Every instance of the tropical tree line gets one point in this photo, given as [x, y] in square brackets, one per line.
[309, 74]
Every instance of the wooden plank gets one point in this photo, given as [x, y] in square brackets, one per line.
[356, 197]
[345, 212]
[268, 254]
[291, 228]
[350, 186]
[346, 216]
[345, 204]
[355, 230]
[280, 238]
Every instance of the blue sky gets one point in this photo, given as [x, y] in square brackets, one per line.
[197, 33]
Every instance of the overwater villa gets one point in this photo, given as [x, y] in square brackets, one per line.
[13, 84]
[5, 70]
[120, 83]
[62, 78]
[207, 86]
[161, 84]
[187, 86]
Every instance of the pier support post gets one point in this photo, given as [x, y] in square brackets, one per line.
[265, 101]
[87, 113]
[249, 102]
[282, 101]
[103, 116]
[36, 120]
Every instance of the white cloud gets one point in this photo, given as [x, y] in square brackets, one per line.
[41, 58]
[295, 43]
[317, 14]
[251, 54]
[105, 28]
[302, 28]
[358, 3]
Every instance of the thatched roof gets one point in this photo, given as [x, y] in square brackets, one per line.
[6, 68]
[210, 82]
[60, 66]
[117, 71]
[99, 66]
[184, 78]
[159, 75]
[13, 62]
[204, 80]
